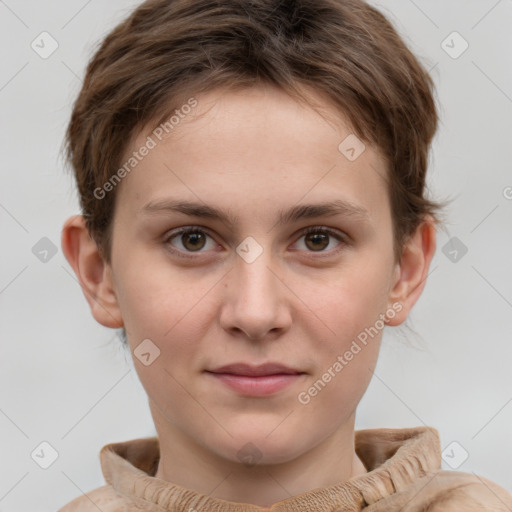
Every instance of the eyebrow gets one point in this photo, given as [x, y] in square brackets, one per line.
[294, 214]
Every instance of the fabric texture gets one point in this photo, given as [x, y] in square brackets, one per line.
[404, 474]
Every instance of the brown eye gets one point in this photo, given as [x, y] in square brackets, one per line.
[317, 241]
[189, 240]
[193, 241]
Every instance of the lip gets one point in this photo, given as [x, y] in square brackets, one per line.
[248, 370]
[259, 380]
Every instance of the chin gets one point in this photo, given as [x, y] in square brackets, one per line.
[253, 447]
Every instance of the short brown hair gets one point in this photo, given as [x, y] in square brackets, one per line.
[168, 50]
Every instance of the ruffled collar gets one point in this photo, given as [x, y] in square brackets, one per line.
[394, 458]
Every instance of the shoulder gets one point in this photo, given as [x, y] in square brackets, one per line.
[447, 491]
[105, 499]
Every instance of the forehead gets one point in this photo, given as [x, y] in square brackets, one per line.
[256, 148]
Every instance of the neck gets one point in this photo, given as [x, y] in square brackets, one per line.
[190, 465]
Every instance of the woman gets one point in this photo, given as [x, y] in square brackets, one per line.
[252, 180]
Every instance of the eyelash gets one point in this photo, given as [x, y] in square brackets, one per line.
[343, 239]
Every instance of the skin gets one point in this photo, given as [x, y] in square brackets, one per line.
[301, 302]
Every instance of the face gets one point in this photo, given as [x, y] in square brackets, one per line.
[251, 286]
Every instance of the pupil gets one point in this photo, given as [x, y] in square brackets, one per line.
[316, 237]
[195, 237]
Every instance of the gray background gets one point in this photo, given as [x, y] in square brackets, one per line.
[67, 381]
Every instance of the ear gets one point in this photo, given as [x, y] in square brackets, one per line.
[94, 275]
[412, 271]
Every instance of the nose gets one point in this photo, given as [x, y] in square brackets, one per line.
[256, 302]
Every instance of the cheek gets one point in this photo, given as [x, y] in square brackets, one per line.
[155, 295]
[352, 306]
[169, 306]
[355, 298]
[349, 354]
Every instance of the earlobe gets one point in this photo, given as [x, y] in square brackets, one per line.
[412, 272]
[94, 275]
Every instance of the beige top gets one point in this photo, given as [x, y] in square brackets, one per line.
[404, 474]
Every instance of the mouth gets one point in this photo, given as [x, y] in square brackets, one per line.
[247, 370]
[259, 380]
